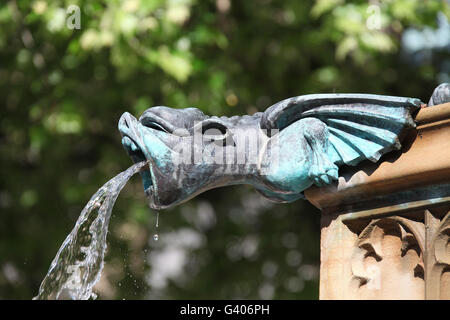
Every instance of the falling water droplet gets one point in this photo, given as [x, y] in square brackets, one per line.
[155, 236]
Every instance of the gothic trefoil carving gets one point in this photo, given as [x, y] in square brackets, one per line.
[387, 253]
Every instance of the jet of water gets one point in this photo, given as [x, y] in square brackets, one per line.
[78, 264]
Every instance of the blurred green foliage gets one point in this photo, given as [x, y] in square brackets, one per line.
[62, 91]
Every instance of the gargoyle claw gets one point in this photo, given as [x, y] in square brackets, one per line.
[320, 178]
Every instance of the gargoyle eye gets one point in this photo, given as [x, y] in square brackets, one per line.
[153, 125]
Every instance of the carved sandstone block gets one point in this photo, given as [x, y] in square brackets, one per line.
[386, 227]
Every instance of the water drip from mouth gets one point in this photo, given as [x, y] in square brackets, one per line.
[78, 264]
[156, 236]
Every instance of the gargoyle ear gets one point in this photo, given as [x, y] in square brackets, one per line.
[214, 130]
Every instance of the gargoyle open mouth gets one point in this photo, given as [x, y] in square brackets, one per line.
[133, 144]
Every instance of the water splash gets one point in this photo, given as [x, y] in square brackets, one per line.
[78, 264]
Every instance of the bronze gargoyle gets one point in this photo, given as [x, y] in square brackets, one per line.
[282, 151]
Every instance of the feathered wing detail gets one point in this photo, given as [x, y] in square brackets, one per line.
[360, 126]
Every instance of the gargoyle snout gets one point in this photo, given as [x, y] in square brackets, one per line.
[127, 121]
[128, 126]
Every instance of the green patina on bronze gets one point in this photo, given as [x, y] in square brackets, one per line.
[311, 136]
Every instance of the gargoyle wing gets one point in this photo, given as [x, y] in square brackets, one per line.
[360, 126]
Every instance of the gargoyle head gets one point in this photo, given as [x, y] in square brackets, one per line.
[189, 152]
[295, 143]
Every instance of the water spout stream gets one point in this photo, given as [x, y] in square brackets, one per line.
[78, 264]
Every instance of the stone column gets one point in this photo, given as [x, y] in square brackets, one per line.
[385, 227]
